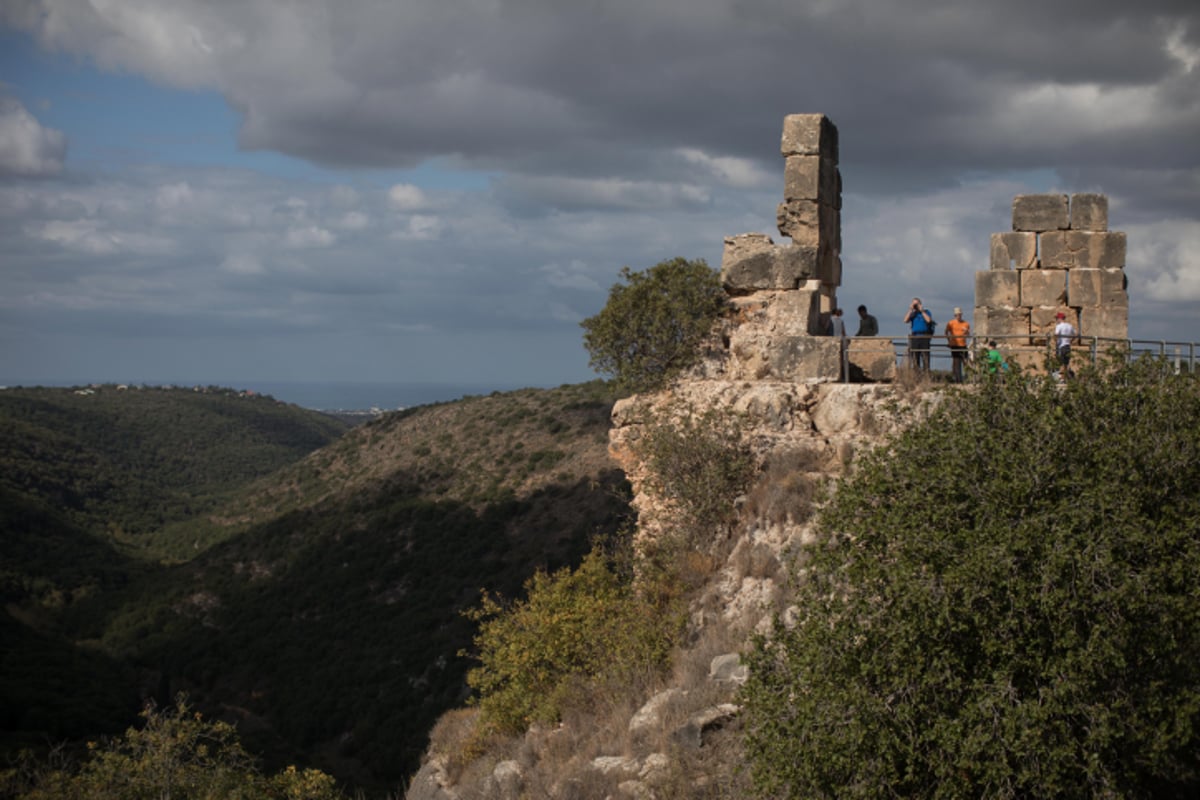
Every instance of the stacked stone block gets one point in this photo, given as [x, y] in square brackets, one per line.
[783, 293]
[1059, 257]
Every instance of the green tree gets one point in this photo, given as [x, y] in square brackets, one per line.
[652, 325]
[1003, 602]
[177, 755]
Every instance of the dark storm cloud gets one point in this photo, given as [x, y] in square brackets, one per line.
[610, 133]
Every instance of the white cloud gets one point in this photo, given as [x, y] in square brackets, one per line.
[418, 227]
[308, 236]
[1164, 258]
[406, 197]
[94, 238]
[740, 173]
[27, 148]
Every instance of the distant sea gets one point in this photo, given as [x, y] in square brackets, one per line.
[331, 396]
[365, 396]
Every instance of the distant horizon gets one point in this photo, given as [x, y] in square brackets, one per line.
[314, 395]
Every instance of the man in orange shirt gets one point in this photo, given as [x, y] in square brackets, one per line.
[957, 331]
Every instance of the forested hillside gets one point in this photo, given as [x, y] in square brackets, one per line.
[321, 610]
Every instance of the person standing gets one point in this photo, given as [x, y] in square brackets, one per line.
[957, 331]
[867, 324]
[837, 325]
[920, 332]
[993, 361]
[1064, 335]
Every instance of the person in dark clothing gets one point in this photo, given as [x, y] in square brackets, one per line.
[867, 324]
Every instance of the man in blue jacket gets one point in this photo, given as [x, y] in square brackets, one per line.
[920, 332]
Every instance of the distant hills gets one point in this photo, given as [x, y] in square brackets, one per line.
[291, 574]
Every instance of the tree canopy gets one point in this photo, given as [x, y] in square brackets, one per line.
[653, 323]
[1003, 602]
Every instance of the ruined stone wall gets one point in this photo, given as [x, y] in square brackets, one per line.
[783, 293]
[1059, 256]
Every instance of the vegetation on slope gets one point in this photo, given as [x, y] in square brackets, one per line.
[124, 464]
[1003, 603]
[326, 616]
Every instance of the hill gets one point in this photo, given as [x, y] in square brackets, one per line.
[322, 610]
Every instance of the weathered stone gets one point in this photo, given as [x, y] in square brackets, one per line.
[1097, 287]
[809, 135]
[508, 779]
[751, 261]
[807, 222]
[692, 734]
[1040, 212]
[804, 358]
[1089, 212]
[1043, 287]
[871, 359]
[650, 716]
[728, 668]
[1111, 323]
[811, 178]
[1042, 320]
[829, 270]
[1004, 324]
[979, 325]
[788, 313]
[1014, 249]
[998, 288]
[1070, 249]
[615, 765]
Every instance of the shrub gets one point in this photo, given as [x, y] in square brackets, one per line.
[175, 754]
[574, 625]
[697, 461]
[652, 325]
[1002, 603]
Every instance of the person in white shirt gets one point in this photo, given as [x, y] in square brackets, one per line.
[1064, 335]
[837, 325]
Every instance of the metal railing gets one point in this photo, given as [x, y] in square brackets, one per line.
[1029, 351]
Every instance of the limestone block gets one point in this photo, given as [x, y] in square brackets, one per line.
[1015, 249]
[1097, 287]
[998, 288]
[792, 313]
[805, 358]
[1042, 320]
[1005, 323]
[808, 222]
[809, 135]
[748, 349]
[1069, 249]
[752, 262]
[1043, 287]
[871, 359]
[1089, 212]
[979, 326]
[1040, 212]
[829, 268]
[811, 178]
[1108, 323]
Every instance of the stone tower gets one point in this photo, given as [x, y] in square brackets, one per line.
[783, 293]
[1059, 256]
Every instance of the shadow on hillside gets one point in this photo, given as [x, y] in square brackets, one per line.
[331, 635]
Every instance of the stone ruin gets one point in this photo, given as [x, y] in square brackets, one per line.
[1059, 256]
[783, 294]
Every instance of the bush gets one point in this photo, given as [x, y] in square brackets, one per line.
[1002, 603]
[177, 755]
[652, 325]
[574, 625]
[697, 461]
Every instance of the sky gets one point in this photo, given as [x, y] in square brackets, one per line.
[441, 190]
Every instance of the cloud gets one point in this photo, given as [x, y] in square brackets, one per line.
[406, 197]
[26, 148]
